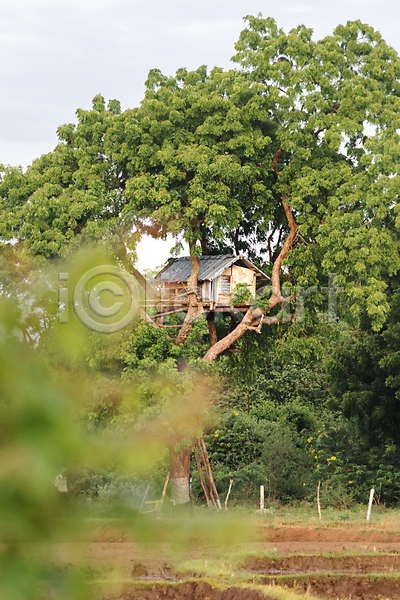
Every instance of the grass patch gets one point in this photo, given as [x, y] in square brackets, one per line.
[224, 563]
[306, 514]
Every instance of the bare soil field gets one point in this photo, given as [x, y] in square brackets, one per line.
[320, 562]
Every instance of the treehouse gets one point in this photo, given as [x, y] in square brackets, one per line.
[218, 279]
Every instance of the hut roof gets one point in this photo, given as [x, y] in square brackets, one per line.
[211, 266]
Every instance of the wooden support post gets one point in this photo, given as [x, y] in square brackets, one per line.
[318, 504]
[163, 494]
[202, 480]
[201, 456]
[261, 499]
[227, 496]
[145, 496]
[209, 472]
[371, 497]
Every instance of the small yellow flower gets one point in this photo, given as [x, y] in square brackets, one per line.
[317, 466]
[236, 414]
[229, 445]
[310, 439]
[350, 482]
[217, 434]
[333, 457]
[304, 484]
[315, 456]
[313, 450]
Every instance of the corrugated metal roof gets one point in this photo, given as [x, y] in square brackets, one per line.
[178, 270]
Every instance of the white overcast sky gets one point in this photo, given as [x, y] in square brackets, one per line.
[56, 55]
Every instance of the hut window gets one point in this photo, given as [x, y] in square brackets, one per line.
[225, 284]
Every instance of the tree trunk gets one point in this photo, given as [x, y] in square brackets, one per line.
[203, 244]
[211, 328]
[236, 241]
[233, 322]
[180, 475]
[195, 309]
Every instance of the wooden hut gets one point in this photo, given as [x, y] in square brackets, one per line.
[218, 278]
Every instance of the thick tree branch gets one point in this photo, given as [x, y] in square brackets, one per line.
[253, 319]
[229, 339]
[316, 133]
[275, 161]
[276, 287]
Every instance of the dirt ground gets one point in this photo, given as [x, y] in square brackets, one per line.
[325, 562]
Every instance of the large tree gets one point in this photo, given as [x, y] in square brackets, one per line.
[303, 141]
[295, 154]
[337, 107]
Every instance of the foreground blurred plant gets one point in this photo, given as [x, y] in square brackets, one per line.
[37, 438]
[49, 397]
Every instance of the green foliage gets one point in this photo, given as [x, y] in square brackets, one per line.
[267, 445]
[254, 452]
[241, 294]
[208, 157]
[37, 438]
[363, 372]
[70, 194]
[337, 105]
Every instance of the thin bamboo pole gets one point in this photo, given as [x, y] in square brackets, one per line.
[202, 480]
[145, 496]
[227, 496]
[371, 497]
[211, 487]
[170, 312]
[163, 493]
[318, 504]
[209, 472]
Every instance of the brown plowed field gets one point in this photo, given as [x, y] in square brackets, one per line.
[335, 562]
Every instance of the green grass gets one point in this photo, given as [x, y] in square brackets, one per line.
[301, 515]
[306, 514]
[277, 515]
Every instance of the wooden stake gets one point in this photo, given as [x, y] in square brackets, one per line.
[163, 493]
[318, 504]
[202, 480]
[227, 496]
[206, 462]
[261, 499]
[145, 495]
[201, 454]
[371, 497]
